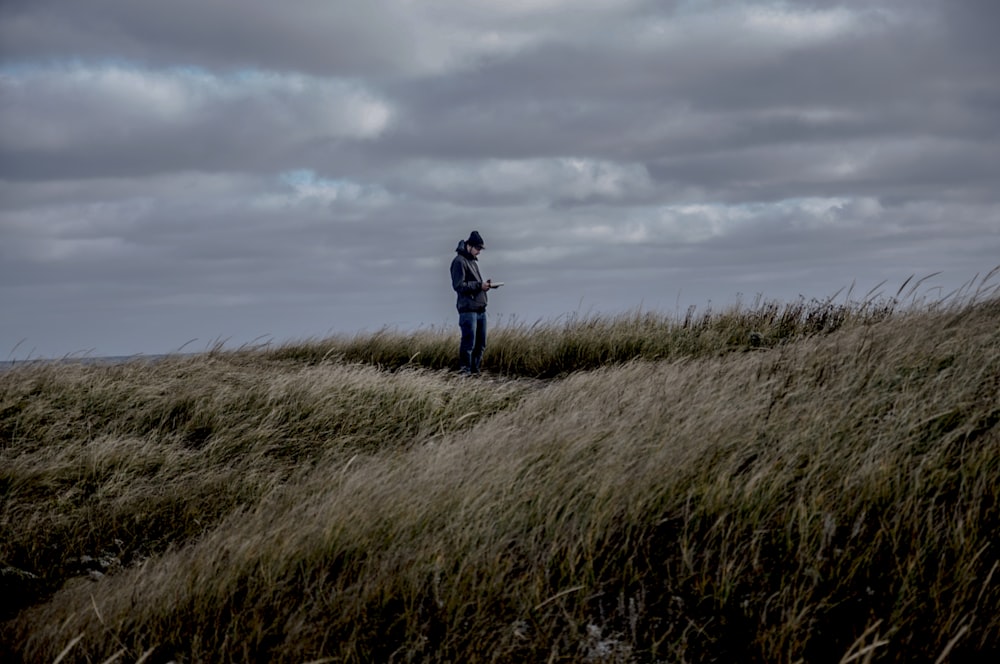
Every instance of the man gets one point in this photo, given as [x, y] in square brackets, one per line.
[471, 290]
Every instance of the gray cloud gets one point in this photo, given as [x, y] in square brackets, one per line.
[311, 36]
[81, 121]
[238, 169]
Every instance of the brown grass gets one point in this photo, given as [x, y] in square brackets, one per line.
[741, 486]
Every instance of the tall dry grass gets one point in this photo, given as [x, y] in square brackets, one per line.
[548, 349]
[553, 348]
[826, 495]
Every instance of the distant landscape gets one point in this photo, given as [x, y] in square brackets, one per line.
[808, 481]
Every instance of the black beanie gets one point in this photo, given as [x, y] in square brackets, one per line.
[476, 240]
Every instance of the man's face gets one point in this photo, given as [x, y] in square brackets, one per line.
[474, 250]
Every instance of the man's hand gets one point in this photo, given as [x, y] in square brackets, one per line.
[487, 285]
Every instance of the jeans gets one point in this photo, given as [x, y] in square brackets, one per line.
[470, 352]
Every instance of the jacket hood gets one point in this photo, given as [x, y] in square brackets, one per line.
[460, 250]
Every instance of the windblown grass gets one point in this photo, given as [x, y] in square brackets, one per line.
[750, 485]
[547, 349]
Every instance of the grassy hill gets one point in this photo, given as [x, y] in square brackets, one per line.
[774, 483]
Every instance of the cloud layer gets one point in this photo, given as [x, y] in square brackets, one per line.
[238, 170]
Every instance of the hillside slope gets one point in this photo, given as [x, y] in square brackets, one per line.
[831, 498]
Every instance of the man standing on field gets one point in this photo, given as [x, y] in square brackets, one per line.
[471, 290]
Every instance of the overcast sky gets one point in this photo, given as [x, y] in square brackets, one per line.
[176, 174]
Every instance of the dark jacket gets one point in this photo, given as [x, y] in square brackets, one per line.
[466, 281]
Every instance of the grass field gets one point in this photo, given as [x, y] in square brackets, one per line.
[801, 482]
